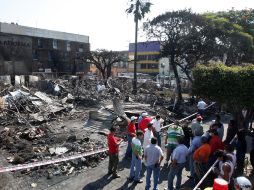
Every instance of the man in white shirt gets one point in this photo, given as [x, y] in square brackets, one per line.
[148, 135]
[157, 122]
[201, 107]
[153, 157]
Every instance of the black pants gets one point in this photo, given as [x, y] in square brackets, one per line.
[113, 163]
[252, 158]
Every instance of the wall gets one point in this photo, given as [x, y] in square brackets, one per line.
[15, 54]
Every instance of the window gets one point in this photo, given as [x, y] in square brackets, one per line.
[39, 43]
[68, 46]
[81, 48]
[54, 44]
[142, 66]
[49, 56]
[35, 55]
[153, 66]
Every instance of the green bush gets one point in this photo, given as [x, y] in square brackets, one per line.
[233, 86]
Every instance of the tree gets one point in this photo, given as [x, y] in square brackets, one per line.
[232, 86]
[188, 38]
[138, 8]
[234, 38]
[103, 60]
[182, 40]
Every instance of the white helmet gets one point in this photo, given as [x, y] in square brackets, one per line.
[242, 183]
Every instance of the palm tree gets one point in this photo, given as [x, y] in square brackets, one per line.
[138, 8]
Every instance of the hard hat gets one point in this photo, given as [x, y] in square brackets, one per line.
[242, 183]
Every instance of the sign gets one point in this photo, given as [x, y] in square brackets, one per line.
[48, 70]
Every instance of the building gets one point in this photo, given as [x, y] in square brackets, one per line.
[147, 57]
[26, 50]
[121, 67]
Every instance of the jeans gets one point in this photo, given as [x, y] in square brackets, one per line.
[175, 171]
[156, 173]
[128, 150]
[158, 136]
[136, 167]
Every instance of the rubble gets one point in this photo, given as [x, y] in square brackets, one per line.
[57, 118]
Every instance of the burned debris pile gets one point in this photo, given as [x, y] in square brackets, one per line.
[39, 123]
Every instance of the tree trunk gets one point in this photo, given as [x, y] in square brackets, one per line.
[108, 71]
[178, 82]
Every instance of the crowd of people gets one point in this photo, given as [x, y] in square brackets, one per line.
[187, 146]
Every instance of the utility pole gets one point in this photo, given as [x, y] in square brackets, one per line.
[136, 51]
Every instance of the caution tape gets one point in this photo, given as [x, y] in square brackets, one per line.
[48, 162]
[73, 157]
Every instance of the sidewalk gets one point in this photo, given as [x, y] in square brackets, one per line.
[97, 178]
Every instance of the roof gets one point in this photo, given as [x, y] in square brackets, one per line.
[43, 33]
[152, 46]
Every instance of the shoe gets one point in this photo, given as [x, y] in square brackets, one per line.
[116, 176]
[130, 179]
[109, 173]
[138, 181]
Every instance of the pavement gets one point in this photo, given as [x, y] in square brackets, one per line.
[97, 178]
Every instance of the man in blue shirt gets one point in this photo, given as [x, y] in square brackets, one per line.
[179, 158]
[195, 144]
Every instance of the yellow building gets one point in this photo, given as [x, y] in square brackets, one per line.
[147, 57]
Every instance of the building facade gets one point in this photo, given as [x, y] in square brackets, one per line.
[26, 50]
[147, 57]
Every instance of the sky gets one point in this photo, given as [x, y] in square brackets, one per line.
[104, 21]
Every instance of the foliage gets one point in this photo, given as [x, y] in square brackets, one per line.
[183, 36]
[138, 8]
[103, 60]
[229, 85]
[234, 35]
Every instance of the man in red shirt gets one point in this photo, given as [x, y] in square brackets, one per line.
[215, 144]
[215, 141]
[113, 146]
[144, 122]
[131, 129]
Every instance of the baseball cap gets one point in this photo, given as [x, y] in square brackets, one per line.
[133, 118]
[144, 114]
[200, 117]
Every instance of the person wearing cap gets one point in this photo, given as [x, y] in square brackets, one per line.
[201, 158]
[148, 135]
[153, 157]
[197, 128]
[157, 122]
[144, 122]
[140, 117]
[131, 129]
[171, 141]
[113, 146]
